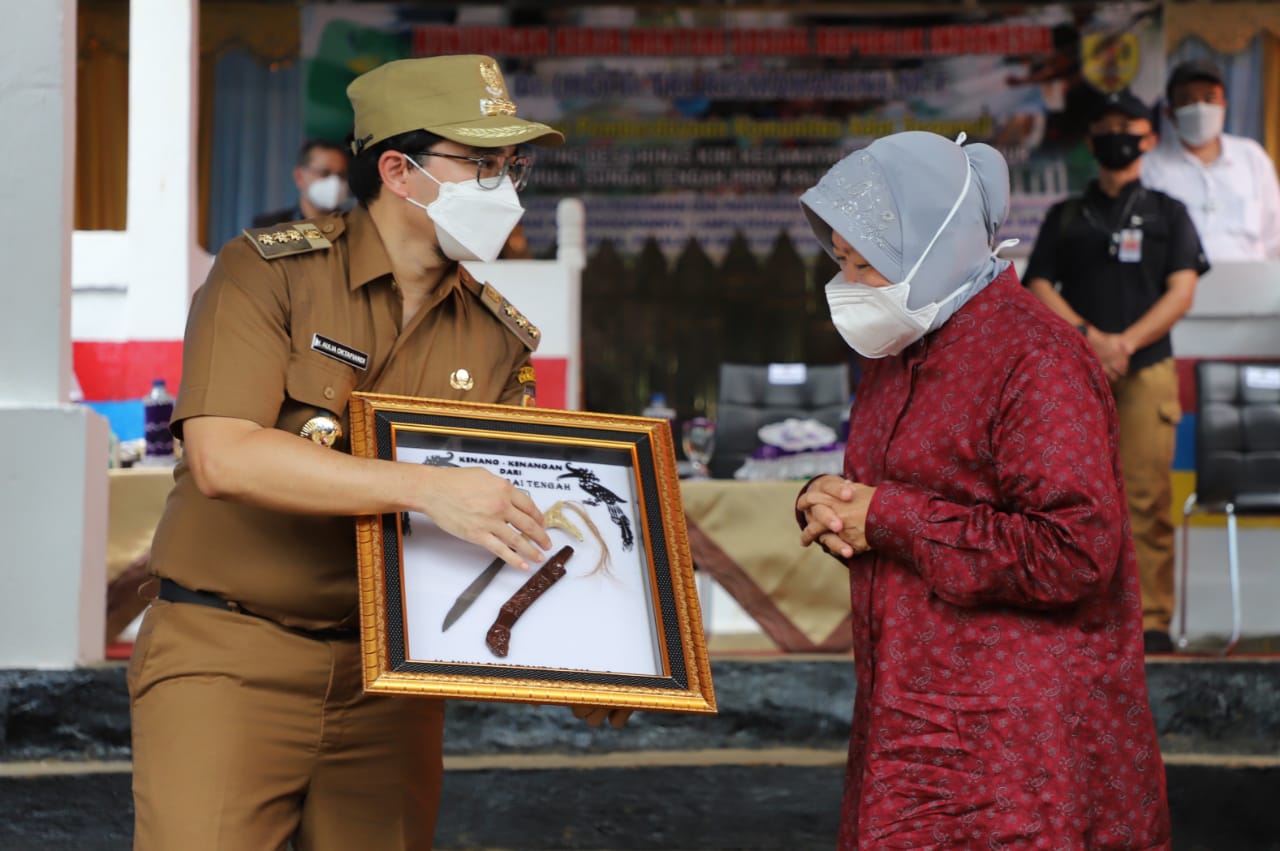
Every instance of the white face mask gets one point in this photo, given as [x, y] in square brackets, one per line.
[472, 223]
[875, 321]
[327, 193]
[1200, 123]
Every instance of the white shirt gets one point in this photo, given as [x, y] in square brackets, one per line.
[1233, 201]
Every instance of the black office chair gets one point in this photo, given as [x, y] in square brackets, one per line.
[1237, 460]
[747, 400]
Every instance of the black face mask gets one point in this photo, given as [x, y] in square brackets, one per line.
[1115, 151]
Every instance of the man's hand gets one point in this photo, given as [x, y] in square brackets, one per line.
[835, 513]
[241, 461]
[473, 504]
[597, 715]
[1113, 351]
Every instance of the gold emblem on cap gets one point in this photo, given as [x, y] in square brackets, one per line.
[499, 104]
[323, 430]
[460, 379]
[493, 82]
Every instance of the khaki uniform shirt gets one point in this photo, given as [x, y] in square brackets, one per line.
[250, 353]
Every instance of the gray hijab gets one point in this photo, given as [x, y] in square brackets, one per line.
[890, 200]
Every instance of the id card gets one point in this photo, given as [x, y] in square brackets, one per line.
[1130, 245]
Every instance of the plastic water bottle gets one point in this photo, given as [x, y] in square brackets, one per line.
[659, 408]
[157, 409]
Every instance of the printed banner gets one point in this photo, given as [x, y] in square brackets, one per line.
[707, 123]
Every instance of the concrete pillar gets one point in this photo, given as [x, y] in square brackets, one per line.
[53, 467]
[571, 253]
[37, 90]
[165, 263]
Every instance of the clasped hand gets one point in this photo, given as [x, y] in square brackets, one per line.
[835, 514]
[1113, 352]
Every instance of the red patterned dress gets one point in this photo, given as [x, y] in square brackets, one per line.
[1001, 698]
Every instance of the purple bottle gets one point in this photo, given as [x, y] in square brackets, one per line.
[157, 409]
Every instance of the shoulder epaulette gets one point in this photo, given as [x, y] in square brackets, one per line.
[293, 238]
[506, 312]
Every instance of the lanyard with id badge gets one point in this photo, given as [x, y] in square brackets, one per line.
[1126, 242]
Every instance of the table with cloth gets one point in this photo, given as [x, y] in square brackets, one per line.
[135, 501]
[742, 534]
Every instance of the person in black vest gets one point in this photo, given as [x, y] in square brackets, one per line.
[1121, 263]
[321, 178]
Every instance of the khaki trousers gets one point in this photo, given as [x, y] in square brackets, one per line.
[248, 736]
[1147, 404]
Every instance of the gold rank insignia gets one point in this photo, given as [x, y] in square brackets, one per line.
[325, 431]
[284, 240]
[517, 323]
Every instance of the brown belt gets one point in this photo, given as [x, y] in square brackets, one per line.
[175, 593]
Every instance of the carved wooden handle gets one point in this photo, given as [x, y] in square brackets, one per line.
[499, 637]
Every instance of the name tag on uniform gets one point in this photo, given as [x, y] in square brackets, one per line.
[339, 352]
[1130, 245]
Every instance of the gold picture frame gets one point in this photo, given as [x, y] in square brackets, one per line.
[625, 628]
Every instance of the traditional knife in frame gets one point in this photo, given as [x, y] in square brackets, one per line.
[499, 636]
[553, 518]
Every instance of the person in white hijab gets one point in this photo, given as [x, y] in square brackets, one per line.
[996, 623]
[937, 258]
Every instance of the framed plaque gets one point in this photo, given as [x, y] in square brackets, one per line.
[610, 618]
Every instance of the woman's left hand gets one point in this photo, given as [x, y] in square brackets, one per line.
[836, 511]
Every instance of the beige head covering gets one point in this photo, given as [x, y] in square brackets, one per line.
[461, 98]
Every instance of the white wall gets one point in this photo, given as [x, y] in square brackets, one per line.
[1236, 314]
[549, 293]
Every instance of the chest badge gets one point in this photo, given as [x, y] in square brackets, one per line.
[325, 431]
[460, 379]
[339, 351]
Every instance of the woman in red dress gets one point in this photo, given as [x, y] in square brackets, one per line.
[1001, 694]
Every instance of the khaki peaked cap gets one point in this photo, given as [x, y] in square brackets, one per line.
[461, 98]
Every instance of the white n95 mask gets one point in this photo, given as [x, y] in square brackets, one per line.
[327, 193]
[875, 321]
[1199, 123]
[472, 223]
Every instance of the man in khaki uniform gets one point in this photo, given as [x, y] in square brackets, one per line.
[250, 728]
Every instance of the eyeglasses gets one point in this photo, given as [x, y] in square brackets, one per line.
[491, 170]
